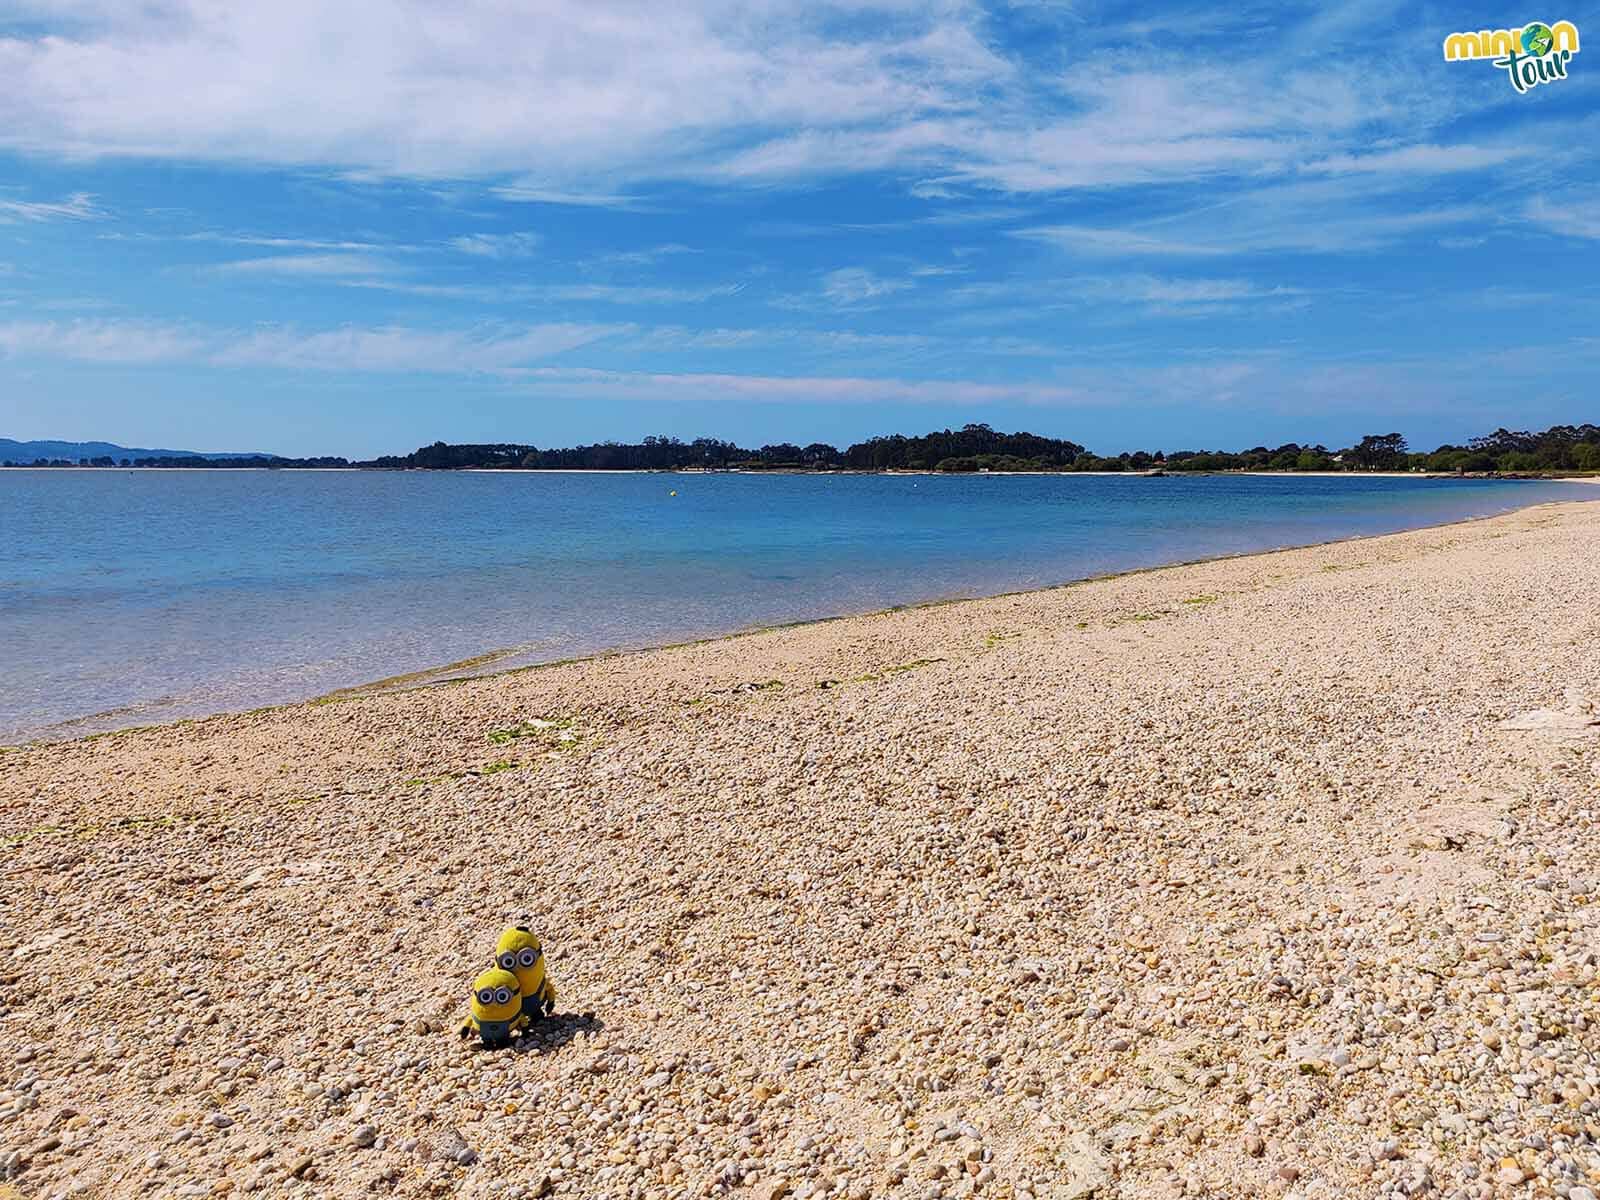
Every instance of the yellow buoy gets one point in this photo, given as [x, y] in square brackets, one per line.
[672, 493]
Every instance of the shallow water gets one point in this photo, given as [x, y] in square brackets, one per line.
[135, 596]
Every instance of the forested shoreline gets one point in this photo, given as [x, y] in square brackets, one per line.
[972, 448]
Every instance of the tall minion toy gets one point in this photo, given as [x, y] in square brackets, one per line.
[520, 952]
[495, 1009]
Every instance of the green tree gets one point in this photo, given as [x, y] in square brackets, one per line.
[1380, 452]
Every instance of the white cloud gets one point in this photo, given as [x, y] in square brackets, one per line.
[497, 245]
[555, 293]
[1085, 239]
[1154, 293]
[573, 103]
[291, 243]
[1154, 290]
[631, 294]
[385, 348]
[79, 206]
[536, 193]
[508, 352]
[405, 349]
[641, 258]
[1421, 159]
[666, 387]
[129, 342]
[516, 357]
[1268, 382]
[850, 286]
[552, 94]
[679, 338]
[832, 344]
[1333, 214]
[1256, 382]
[301, 266]
[933, 189]
[1572, 217]
[484, 348]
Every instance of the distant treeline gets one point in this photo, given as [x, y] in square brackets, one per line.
[188, 460]
[970, 448]
[896, 452]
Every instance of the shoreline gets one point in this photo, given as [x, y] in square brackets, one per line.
[459, 670]
[1142, 473]
[1266, 874]
[410, 679]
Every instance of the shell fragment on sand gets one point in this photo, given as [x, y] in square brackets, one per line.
[1554, 720]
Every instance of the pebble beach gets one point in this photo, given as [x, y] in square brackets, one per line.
[1267, 876]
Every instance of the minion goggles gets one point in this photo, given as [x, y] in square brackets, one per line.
[512, 959]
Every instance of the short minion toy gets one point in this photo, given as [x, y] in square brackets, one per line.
[495, 1009]
[520, 952]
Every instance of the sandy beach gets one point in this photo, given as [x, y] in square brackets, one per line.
[1265, 876]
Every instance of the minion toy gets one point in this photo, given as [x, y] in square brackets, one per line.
[520, 952]
[495, 1009]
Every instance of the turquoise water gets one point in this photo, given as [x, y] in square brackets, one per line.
[131, 597]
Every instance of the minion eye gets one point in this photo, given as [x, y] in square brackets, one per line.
[527, 956]
[502, 995]
[486, 996]
[508, 960]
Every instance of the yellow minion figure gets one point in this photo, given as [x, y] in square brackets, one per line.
[520, 952]
[495, 1009]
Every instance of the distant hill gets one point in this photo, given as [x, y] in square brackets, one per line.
[27, 452]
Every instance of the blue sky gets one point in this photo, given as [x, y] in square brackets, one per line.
[355, 228]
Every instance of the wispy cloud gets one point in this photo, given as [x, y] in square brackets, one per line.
[532, 101]
[636, 294]
[1098, 240]
[1176, 293]
[492, 347]
[1331, 215]
[1259, 382]
[641, 258]
[291, 243]
[1498, 296]
[663, 387]
[553, 293]
[128, 342]
[531, 193]
[832, 344]
[1570, 216]
[1421, 160]
[352, 348]
[505, 356]
[850, 286]
[80, 206]
[497, 245]
[1153, 294]
[406, 349]
[302, 266]
[531, 97]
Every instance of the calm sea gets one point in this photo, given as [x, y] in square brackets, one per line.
[132, 597]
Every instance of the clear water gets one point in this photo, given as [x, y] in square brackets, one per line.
[131, 597]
